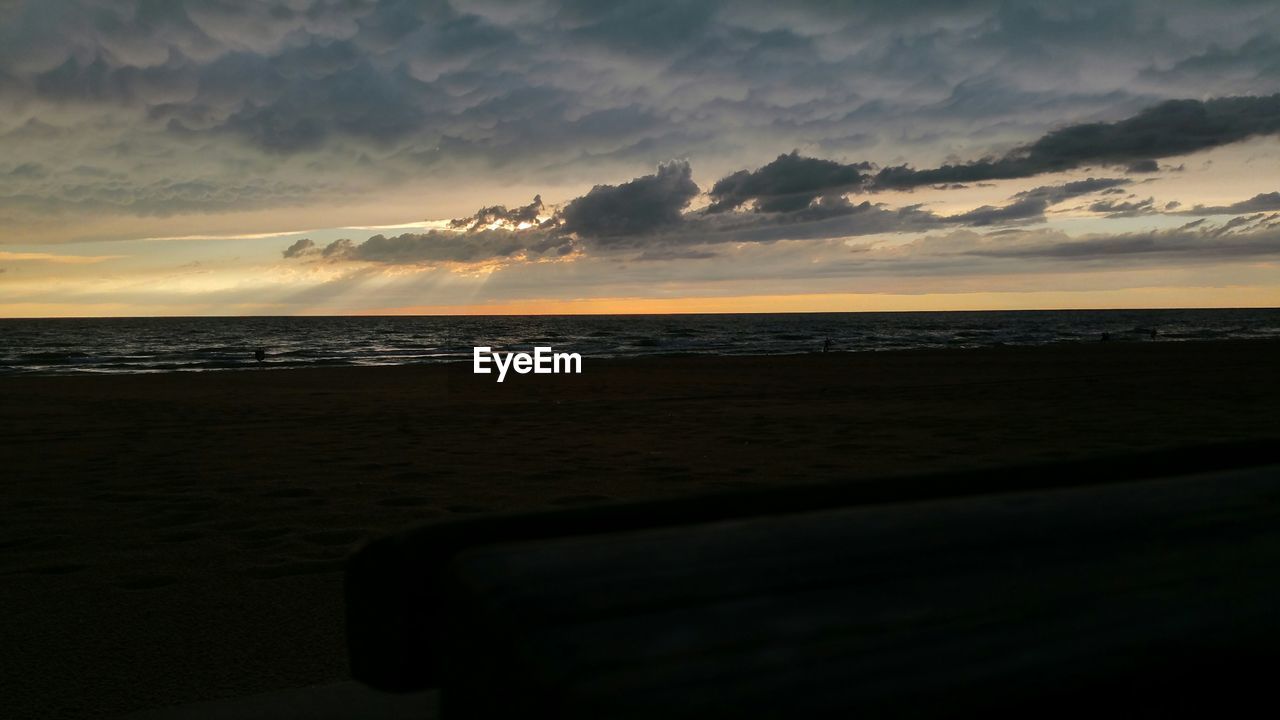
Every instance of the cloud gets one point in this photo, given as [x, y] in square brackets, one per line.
[181, 103]
[1140, 167]
[659, 254]
[644, 205]
[805, 206]
[606, 215]
[499, 214]
[1233, 66]
[1031, 205]
[1174, 127]
[1025, 209]
[338, 249]
[1059, 193]
[1262, 202]
[439, 247]
[56, 258]
[649, 214]
[1169, 129]
[1255, 236]
[1124, 208]
[299, 248]
[789, 183]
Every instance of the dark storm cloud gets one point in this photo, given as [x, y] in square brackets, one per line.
[1169, 129]
[1175, 127]
[649, 214]
[792, 182]
[383, 89]
[644, 205]
[363, 95]
[788, 183]
[646, 214]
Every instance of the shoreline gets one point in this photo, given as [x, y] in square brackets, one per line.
[176, 537]
[147, 345]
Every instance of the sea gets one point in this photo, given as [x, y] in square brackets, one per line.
[200, 344]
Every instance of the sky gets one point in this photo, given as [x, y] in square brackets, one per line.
[224, 157]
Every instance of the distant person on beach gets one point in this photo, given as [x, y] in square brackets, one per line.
[1106, 337]
[826, 345]
[1154, 332]
[260, 355]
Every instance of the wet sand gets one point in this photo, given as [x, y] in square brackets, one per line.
[171, 538]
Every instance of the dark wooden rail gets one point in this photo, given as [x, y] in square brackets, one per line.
[1159, 595]
[817, 596]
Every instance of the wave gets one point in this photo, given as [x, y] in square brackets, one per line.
[146, 345]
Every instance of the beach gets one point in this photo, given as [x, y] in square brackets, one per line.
[176, 537]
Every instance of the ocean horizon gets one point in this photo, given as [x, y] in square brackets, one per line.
[170, 344]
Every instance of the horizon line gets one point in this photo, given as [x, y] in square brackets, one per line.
[632, 314]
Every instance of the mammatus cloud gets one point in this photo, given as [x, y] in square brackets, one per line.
[153, 108]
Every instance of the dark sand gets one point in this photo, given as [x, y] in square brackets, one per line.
[171, 538]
